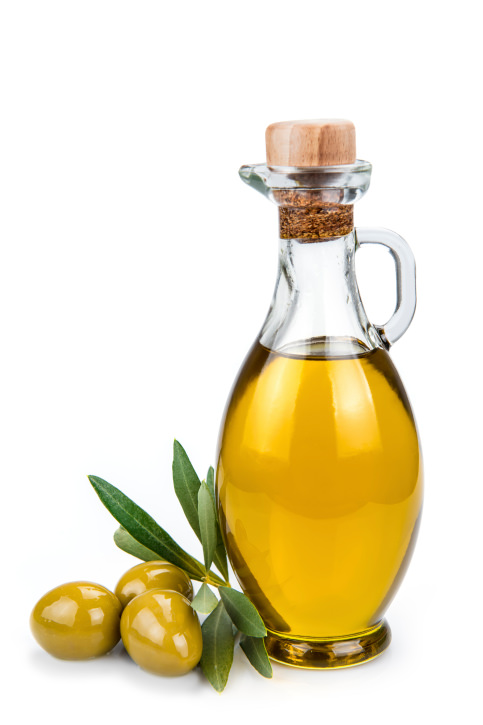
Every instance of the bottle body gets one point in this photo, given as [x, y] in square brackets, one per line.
[319, 471]
[320, 486]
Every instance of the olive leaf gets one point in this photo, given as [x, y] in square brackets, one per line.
[219, 559]
[127, 543]
[186, 485]
[210, 482]
[144, 529]
[242, 612]
[207, 517]
[218, 644]
[220, 551]
[204, 601]
[256, 652]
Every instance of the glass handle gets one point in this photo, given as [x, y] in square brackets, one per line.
[403, 257]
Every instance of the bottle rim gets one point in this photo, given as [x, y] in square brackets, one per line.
[352, 180]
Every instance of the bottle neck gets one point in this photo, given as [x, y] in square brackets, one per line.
[316, 308]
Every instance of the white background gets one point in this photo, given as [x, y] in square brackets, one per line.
[136, 269]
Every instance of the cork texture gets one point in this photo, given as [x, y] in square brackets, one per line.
[303, 215]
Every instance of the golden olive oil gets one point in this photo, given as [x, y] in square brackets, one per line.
[319, 481]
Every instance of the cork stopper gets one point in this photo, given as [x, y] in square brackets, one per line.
[322, 142]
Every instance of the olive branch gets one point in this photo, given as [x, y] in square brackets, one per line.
[232, 617]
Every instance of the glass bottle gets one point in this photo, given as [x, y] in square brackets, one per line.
[319, 471]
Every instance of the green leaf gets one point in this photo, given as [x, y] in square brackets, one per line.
[256, 652]
[242, 612]
[204, 601]
[219, 557]
[206, 512]
[186, 485]
[125, 541]
[210, 482]
[144, 529]
[218, 644]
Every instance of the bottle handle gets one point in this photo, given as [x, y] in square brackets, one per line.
[403, 257]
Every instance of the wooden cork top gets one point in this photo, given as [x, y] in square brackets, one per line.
[322, 142]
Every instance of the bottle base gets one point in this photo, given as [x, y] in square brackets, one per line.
[328, 654]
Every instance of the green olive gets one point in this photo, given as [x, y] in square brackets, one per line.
[77, 621]
[153, 575]
[162, 632]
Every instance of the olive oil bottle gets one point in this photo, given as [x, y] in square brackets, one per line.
[319, 472]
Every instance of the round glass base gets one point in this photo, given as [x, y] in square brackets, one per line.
[325, 654]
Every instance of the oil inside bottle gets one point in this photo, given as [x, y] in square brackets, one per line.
[319, 483]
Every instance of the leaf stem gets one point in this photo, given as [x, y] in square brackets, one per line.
[215, 581]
